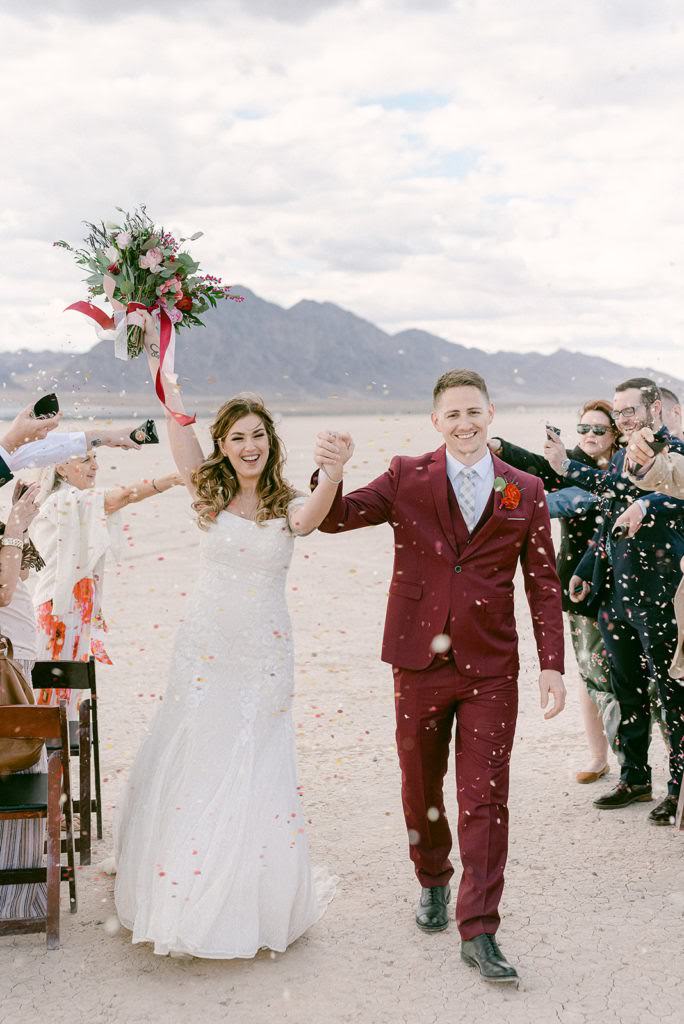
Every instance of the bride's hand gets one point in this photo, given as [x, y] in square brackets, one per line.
[142, 318]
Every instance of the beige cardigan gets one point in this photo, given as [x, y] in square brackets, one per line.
[667, 475]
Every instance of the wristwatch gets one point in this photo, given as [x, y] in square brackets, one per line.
[564, 467]
[96, 442]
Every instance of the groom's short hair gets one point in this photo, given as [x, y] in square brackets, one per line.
[459, 379]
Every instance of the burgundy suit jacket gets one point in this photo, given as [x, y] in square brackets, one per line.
[467, 592]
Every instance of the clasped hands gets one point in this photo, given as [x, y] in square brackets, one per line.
[331, 451]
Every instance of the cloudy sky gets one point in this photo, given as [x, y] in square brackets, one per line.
[506, 175]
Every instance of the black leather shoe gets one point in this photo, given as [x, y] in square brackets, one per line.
[623, 795]
[664, 812]
[432, 914]
[483, 952]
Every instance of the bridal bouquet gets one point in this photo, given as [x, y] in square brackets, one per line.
[139, 266]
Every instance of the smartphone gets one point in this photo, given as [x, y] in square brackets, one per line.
[46, 407]
[146, 433]
[551, 431]
[656, 446]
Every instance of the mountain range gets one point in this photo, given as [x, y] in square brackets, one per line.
[309, 355]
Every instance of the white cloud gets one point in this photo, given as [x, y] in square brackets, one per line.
[503, 175]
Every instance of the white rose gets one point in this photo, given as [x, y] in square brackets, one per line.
[123, 239]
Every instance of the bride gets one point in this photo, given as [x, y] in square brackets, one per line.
[212, 857]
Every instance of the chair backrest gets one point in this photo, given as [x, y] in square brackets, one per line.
[23, 721]
[72, 675]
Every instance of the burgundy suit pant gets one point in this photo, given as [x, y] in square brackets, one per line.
[484, 711]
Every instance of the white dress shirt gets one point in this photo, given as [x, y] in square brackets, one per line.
[484, 479]
[53, 449]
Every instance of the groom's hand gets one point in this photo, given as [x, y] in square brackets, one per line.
[551, 682]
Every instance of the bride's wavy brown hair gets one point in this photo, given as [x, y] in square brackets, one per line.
[216, 482]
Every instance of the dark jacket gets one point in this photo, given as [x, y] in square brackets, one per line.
[640, 574]
[577, 532]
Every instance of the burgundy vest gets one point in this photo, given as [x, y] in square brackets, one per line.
[458, 522]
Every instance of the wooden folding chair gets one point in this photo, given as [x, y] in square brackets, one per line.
[40, 795]
[84, 738]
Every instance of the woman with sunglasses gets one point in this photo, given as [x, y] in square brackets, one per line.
[597, 441]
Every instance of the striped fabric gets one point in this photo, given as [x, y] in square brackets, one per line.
[21, 846]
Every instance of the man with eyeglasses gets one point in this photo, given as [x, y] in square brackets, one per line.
[636, 577]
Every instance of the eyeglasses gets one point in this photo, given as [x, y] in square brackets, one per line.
[587, 428]
[629, 413]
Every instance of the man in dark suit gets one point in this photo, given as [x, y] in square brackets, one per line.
[636, 578]
[462, 522]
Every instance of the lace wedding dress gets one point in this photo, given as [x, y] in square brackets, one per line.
[211, 851]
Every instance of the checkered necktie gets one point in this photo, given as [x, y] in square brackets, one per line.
[466, 498]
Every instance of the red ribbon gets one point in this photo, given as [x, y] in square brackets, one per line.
[165, 329]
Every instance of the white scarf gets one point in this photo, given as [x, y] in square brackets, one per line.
[73, 534]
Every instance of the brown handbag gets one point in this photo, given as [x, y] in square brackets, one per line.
[15, 755]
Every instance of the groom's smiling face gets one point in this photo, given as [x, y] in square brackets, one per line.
[462, 416]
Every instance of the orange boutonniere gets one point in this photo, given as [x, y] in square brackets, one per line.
[510, 493]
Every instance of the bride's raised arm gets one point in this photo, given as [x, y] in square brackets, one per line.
[331, 453]
[185, 447]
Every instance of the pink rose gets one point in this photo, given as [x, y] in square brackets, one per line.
[172, 285]
[123, 239]
[151, 260]
[174, 314]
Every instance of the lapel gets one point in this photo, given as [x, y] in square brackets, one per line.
[439, 483]
[495, 521]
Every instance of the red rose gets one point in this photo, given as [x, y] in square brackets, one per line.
[113, 268]
[184, 304]
[510, 497]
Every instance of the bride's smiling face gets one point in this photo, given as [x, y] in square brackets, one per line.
[246, 447]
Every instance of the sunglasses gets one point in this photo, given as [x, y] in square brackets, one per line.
[586, 428]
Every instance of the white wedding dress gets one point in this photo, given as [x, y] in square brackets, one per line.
[211, 852]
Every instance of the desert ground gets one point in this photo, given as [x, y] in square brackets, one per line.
[593, 905]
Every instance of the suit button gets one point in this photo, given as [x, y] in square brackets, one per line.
[457, 568]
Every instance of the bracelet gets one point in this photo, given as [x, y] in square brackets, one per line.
[11, 542]
[154, 487]
[330, 478]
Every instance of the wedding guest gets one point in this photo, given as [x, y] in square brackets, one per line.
[636, 577]
[672, 413]
[78, 525]
[597, 442]
[664, 473]
[21, 842]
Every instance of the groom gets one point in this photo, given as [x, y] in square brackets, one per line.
[462, 521]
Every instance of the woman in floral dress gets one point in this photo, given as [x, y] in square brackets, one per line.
[78, 526]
